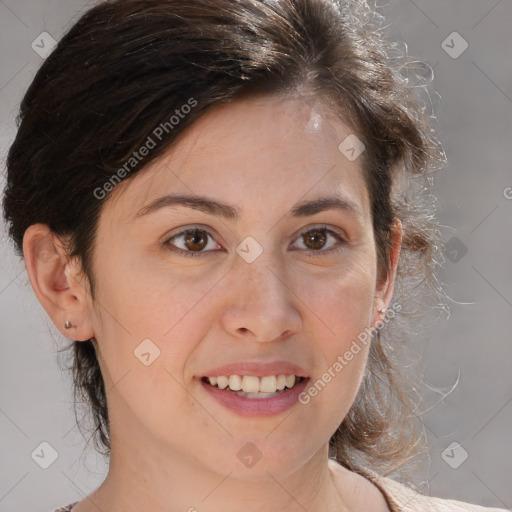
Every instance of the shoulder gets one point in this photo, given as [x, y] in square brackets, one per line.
[406, 499]
[360, 493]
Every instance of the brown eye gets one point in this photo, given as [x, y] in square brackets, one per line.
[315, 239]
[196, 241]
[191, 242]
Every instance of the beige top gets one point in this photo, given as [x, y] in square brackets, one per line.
[401, 498]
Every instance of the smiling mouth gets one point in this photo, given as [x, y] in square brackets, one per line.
[268, 391]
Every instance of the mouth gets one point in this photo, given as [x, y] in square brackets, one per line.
[247, 400]
[252, 387]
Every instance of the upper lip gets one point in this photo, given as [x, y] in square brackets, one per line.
[257, 369]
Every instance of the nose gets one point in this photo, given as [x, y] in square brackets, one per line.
[260, 303]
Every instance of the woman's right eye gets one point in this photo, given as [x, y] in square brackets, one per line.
[193, 241]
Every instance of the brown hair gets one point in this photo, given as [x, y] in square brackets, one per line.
[127, 66]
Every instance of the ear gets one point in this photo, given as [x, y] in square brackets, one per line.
[385, 289]
[58, 282]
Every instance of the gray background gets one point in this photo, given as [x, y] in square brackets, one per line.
[473, 104]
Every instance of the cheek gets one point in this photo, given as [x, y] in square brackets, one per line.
[340, 302]
[141, 313]
[148, 333]
[341, 308]
[148, 299]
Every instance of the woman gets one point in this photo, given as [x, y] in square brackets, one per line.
[213, 202]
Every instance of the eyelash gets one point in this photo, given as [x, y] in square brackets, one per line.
[315, 253]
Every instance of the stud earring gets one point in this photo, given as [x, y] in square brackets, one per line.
[381, 310]
[67, 324]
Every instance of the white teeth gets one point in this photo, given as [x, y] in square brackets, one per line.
[268, 384]
[252, 384]
[235, 382]
[222, 381]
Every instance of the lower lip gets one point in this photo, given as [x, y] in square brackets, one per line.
[256, 406]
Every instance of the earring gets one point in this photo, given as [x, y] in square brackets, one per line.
[381, 310]
[67, 324]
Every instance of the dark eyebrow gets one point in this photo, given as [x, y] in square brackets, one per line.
[321, 204]
[204, 204]
[207, 205]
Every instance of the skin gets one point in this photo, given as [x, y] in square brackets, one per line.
[173, 446]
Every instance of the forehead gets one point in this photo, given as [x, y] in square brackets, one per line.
[253, 154]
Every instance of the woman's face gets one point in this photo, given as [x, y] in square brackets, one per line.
[272, 284]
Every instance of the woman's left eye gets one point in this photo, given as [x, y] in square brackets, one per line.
[317, 239]
[196, 241]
